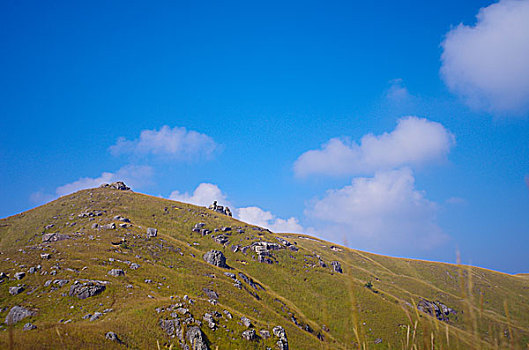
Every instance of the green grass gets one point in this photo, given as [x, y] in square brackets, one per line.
[338, 306]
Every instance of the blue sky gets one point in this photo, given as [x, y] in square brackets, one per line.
[397, 127]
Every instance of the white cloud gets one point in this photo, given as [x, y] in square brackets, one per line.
[384, 213]
[133, 176]
[259, 217]
[413, 142]
[203, 195]
[206, 193]
[486, 63]
[177, 142]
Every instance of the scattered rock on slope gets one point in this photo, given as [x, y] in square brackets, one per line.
[215, 257]
[196, 338]
[86, 290]
[17, 313]
[53, 237]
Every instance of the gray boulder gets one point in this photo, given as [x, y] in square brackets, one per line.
[16, 314]
[111, 226]
[215, 257]
[54, 237]
[279, 332]
[152, 232]
[86, 290]
[116, 272]
[113, 337]
[211, 294]
[20, 275]
[29, 326]
[196, 338]
[246, 322]
[16, 290]
[336, 266]
[249, 334]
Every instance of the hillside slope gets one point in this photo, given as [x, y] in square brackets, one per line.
[162, 293]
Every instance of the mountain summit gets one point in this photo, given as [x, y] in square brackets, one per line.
[110, 268]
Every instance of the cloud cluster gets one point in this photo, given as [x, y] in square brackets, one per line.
[178, 143]
[133, 176]
[414, 141]
[486, 63]
[206, 193]
[203, 195]
[383, 213]
[259, 217]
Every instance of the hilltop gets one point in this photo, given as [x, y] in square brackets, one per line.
[110, 268]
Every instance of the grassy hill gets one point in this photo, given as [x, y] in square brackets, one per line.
[168, 289]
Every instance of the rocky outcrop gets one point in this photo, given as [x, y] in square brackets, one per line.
[279, 332]
[435, 309]
[336, 266]
[54, 237]
[215, 257]
[220, 209]
[116, 272]
[249, 334]
[113, 337]
[196, 338]
[118, 185]
[17, 313]
[86, 290]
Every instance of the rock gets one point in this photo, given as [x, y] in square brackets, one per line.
[47, 227]
[282, 344]
[113, 337]
[29, 326]
[60, 283]
[279, 332]
[436, 309]
[221, 239]
[249, 334]
[172, 327]
[265, 334]
[116, 272]
[152, 232]
[16, 290]
[248, 280]
[118, 185]
[20, 275]
[199, 225]
[378, 340]
[86, 290]
[228, 314]
[54, 237]
[216, 258]
[208, 318]
[336, 266]
[16, 314]
[95, 316]
[211, 294]
[246, 322]
[196, 339]
[45, 256]
[134, 266]
[226, 229]
[95, 225]
[32, 270]
[111, 226]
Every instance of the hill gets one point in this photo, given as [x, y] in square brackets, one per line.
[109, 268]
